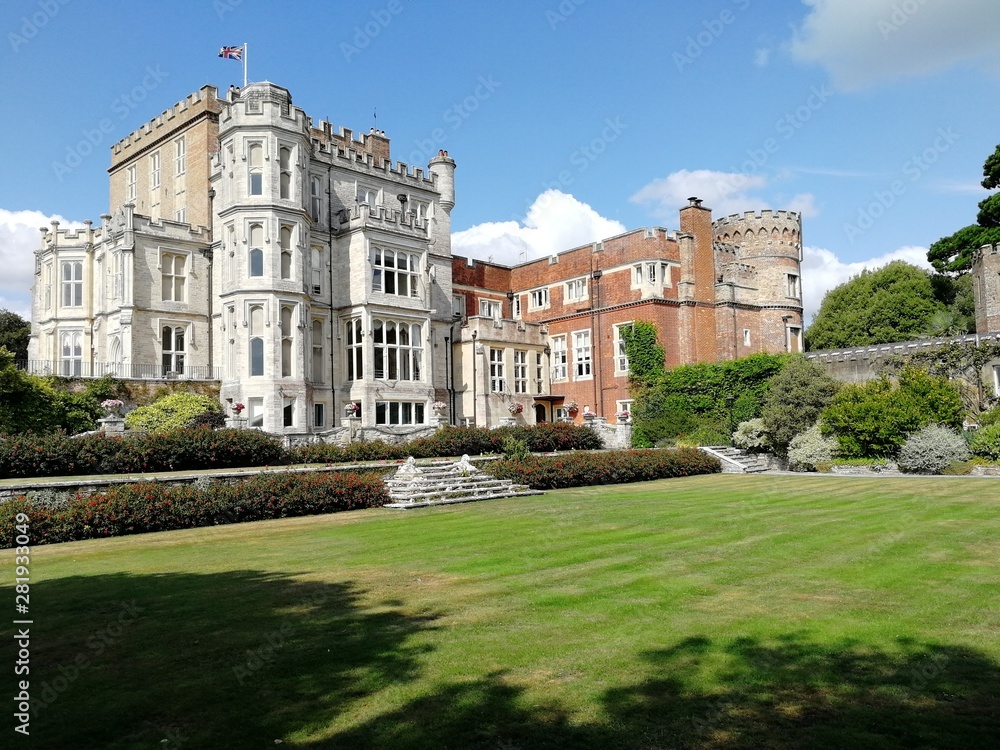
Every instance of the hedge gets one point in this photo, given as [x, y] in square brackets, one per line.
[32, 455]
[617, 467]
[50, 455]
[152, 506]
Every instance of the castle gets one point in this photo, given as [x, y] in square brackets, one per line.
[313, 278]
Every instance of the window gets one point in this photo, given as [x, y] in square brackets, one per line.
[288, 413]
[284, 173]
[458, 306]
[621, 357]
[538, 373]
[72, 353]
[256, 315]
[520, 371]
[180, 153]
[651, 273]
[538, 298]
[395, 272]
[398, 350]
[498, 384]
[116, 272]
[622, 407]
[558, 357]
[355, 350]
[154, 170]
[181, 215]
[256, 255]
[256, 409]
[319, 415]
[287, 345]
[399, 412]
[665, 274]
[172, 277]
[173, 350]
[489, 308]
[317, 351]
[317, 270]
[516, 311]
[367, 195]
[419, 210]
[581, 355]
[562, 413]
[637, 277]
[793, 286]
[746, 337]
[315, 199]
[72, 284]
[255, 169]
[130, 184]
[285, 241]
[576, 290]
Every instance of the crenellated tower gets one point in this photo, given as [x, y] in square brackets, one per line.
[986, 286]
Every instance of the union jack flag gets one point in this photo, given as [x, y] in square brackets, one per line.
[231, 53]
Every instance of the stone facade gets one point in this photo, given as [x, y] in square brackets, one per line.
[305, 271]
[986, 288]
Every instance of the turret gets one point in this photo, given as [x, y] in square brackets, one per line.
[442, 168]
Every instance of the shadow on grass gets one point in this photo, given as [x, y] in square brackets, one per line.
[227, 660]
[789, 693]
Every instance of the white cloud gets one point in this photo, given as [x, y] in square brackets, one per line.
[865, 42]
[822, 270]
[724, 192]
[19, 238]
[761, 57]
[555, 222]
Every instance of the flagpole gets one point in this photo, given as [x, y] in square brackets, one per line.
[245, 47]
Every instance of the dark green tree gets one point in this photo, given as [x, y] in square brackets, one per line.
[893, 303]
[873, 420]
[14, 333]
[954, 253]
[794, 400]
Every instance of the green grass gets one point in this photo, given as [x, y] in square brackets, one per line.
[709, 612]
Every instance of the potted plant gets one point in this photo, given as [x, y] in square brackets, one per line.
[112, 407]
[589, 414]
[352, 409]
[515, 408]
[571, 407]
[439, 407]
[623, 416]
[238, 409]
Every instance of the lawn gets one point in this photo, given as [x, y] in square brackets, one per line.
[708, 612]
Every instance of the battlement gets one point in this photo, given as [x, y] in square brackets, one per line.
[203, 100]
[762, 215]
[985, 250]
[53, 236]
[383, 217]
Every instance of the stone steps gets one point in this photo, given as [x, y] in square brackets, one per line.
[414, 486]
[736, 461]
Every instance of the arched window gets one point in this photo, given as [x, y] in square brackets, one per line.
[285, 176]
[286, 251]
[256, 314]
[286, 340]
[355, 350]
[72, 353]
[256, 259]
[255, 169]
[317, 351]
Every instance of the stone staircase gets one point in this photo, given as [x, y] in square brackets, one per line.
[415, 486]
[735, 460]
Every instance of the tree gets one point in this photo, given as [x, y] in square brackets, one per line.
[14, 334]
[26, 402]
[794, 400]
[954, 253]
[893, 303]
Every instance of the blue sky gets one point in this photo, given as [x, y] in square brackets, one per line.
[570, 120]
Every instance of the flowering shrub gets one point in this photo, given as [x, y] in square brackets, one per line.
[515, 408]
[571, 407]
[150, 506]
[112, 404]
[616, 467]
[439, 405]
[931, 450]
[752, 436]
[238, 407]
[809, 448]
